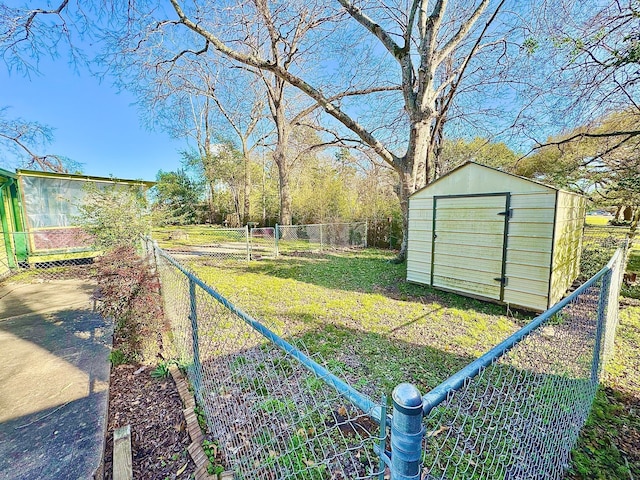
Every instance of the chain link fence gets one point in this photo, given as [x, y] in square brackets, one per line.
[320, 237]
[262, 242]
[49, 254]
[514, 413]
[274, 410]
[598, 245]
[206, 241]
[517, 413]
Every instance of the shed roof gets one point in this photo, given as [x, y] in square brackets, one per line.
[73, 176]
[469, 163]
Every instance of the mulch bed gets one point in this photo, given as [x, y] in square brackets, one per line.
[153, 408]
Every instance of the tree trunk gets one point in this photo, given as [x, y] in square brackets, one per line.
[247, 190]
[247, 183]
[285, 193]
[414, 171]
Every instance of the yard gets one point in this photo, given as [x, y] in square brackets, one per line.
[357, 315]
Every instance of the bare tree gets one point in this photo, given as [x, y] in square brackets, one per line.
[204, 99]
[588, 57]
[420, 37]
[25, 138]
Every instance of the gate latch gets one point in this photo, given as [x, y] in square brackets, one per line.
[502, 280]
[508, 213]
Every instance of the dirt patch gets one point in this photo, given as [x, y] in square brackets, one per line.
[153, 408]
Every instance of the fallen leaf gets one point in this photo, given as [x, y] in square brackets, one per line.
[433, 433]
[342, 411]
[309, 463]
[181, 469]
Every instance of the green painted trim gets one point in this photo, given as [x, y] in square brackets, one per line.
[7, 173]
[5, 226]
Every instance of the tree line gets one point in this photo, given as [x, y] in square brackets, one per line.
[296, 110]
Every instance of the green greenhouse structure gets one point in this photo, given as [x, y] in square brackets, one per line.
[38, 216]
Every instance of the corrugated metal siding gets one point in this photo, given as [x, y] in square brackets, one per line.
[567, 243]
[529, 249]
[469, 244]
[471, 253]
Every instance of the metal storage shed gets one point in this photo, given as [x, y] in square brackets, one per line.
[492, 235]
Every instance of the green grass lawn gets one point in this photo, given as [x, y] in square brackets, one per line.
[598, 220]
[357, 315]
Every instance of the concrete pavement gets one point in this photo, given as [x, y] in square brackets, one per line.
[54, 375]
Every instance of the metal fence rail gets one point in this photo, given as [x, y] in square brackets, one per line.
[514, 413]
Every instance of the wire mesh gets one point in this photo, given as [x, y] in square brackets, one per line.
[272, 417]
[53, 253]
[598, 245]
[262, 242]
[205, 241]
[520, 417]
[319, 237]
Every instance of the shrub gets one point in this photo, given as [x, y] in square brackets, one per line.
[114, 216]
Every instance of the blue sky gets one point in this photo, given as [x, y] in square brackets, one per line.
[94, 124]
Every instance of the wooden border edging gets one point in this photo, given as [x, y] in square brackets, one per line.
[193, 428]
[122, 461]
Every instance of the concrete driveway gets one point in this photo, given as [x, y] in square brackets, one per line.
[54, 378]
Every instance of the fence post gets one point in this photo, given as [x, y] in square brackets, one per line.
[383, 437]
[248, 239]
[193, 316]
[366, 232]
[406, 433]
[321, 226]
[601, 326]
[155, 249]
[277, 233]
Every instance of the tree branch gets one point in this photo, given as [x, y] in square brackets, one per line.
[295, 81]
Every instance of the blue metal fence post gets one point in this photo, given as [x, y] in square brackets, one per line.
[277, 233]
[601, 325]
[193, 316]
[406, 433]
[383, 438]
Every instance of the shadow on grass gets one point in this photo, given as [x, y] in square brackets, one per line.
[365, 271]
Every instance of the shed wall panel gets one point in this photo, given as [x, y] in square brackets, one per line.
[567, 243]
[465, 243]
[476, 179]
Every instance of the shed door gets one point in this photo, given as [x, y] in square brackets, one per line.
[469, 243]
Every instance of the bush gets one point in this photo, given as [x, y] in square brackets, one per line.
[130, 293]
[114, 215]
